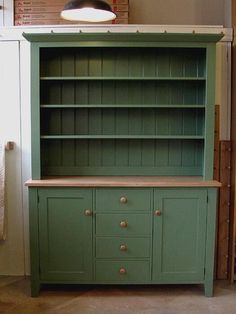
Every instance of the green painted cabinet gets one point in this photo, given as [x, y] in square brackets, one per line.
[179, 234]
[74, 239]
[65, 234]
[122, 158]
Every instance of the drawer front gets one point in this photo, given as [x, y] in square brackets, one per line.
[123, 225]
[117, 199]
[123, 271]
[123, 247]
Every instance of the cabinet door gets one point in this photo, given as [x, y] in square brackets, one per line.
[65, 234]
[179, 235]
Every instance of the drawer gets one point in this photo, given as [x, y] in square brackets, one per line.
[110, 247]
[123, 224]
[123, 199]
[135, 271]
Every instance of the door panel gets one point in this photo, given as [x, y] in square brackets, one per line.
[179, 234]
[65, 234]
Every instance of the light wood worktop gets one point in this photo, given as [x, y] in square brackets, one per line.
[123, 181]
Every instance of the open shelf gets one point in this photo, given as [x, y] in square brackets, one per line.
[123, 122]
[122, 78]
[123, 110]
[121, 92]
[124, 63]
[122, 156]
[119, 106]
[101, 137]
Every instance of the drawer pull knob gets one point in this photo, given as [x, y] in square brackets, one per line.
[157, 213]
[123, 224]
[88, 212]
[123, 247]
[122, 271]
[123, 200]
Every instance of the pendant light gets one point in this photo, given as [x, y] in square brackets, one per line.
[87, 11]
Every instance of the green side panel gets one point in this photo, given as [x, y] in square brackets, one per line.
[111, 225]
[113, 199]
[179, 234]
[210, 241]
[65, 234]
[35, 113]
[210, 110]
[135, 271]
[34, 241]
[111, 247]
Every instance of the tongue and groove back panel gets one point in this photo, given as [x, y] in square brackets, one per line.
[122, 111]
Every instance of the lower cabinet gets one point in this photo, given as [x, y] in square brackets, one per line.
[65, 234]
[179, 235]
[122, 235]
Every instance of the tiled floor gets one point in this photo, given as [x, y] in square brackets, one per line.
[179, 299]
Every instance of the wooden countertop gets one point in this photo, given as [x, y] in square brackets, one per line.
[123, 181]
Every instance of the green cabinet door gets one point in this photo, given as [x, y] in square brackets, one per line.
[179, 235]
[65, 234]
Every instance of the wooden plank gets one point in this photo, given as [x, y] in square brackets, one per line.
[132, 181]
[224, 211]
[233, 173]
[216, 171]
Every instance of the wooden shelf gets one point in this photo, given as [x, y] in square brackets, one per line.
[168, 106]
[122, 78]
[128, 137]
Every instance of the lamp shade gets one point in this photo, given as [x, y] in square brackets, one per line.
[88, 11]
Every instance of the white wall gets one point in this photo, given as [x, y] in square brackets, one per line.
[6, 13]
[12, 259]
[1, 12]
[25, 142]
[180, 12]
[228, 13]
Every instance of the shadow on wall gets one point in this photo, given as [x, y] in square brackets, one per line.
[181, 12]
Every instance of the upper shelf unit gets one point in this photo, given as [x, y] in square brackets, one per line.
[123, 104]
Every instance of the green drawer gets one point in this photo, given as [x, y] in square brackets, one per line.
[110, 247]
[118, 199]
[130, 271]
[123, 224]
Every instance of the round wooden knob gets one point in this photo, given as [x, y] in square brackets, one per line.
[122, 271]
[123, 247]
[123, 224]
[157, 213]
[88, 212]
[123, 200]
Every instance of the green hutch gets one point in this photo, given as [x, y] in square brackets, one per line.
[122, 158]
